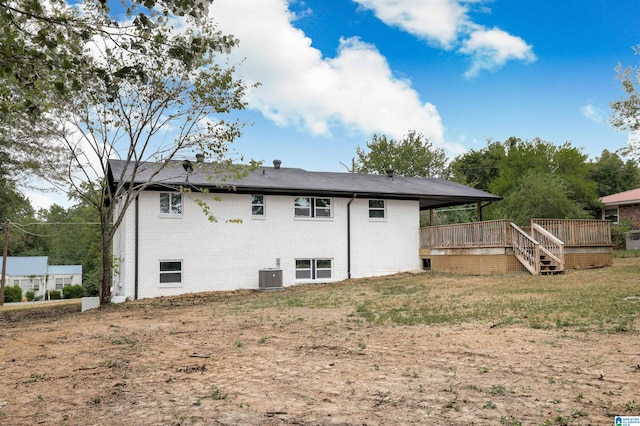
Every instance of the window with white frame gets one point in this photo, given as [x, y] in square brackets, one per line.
[171, 273]
[312, 207]
[376, 209]
[611, 214]
[257, 206]
[59, 283]
[36, 284]
[170, 203]
[25, 284]
[314, 269]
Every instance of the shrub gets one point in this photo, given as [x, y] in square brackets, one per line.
[54, 294]
[73, 292]
[12, 294]
[618, 234]
[31, 295]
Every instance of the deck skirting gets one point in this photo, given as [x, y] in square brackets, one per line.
[502, 261]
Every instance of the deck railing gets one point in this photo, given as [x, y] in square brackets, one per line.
[578, 232]
[490, 233]
[549, 244]
[526, 249]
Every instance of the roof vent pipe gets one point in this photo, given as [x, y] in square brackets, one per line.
[276, 164]
[200, 158]
[390, 172]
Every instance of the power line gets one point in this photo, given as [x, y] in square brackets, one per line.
[24, 231]
[59, 223]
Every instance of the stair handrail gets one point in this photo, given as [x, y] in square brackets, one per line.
[526, 249]
[550, 245]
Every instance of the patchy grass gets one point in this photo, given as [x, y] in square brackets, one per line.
[626, 253]
[605, 300]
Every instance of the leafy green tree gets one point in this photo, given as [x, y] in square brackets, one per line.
[135, 83]
[539, 195]
[478, 168]
[512, 167]
[612, 175]
[412, 156]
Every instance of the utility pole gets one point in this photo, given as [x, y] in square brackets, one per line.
[4, 260]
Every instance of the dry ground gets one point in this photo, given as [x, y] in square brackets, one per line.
[240, 358]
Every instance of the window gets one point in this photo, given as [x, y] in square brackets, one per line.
[36, 284]
[59, 283]
[611, 214]
[313, 269]
[312, 207]
[25, 284]
[376, 209]
[170, 203]
[171, 272]
[257, 205]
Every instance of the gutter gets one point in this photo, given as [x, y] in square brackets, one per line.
[349, 236]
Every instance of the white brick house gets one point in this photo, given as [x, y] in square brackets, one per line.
[314, 227]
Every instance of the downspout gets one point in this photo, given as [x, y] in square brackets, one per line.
[135, 274]
[349, 236]
[480, 207]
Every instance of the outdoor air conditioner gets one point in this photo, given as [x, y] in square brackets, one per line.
[270, 279]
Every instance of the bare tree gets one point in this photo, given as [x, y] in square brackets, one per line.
[157, 88]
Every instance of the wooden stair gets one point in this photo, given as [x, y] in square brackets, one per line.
[548, 266]
[541, 253]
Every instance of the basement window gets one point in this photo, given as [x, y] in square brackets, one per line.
[314, 269]
[171, 273]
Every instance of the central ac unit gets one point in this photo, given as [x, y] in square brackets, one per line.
[270, 279]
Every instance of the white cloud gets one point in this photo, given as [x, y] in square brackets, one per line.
[593, 113]
[491, 49]
[447, 23]
[356, 89]
[434, 20]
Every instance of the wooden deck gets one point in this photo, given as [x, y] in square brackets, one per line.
[549, 246]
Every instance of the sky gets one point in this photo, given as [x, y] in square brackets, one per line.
[460, 72]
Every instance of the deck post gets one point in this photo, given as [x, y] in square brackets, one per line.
[479, 211]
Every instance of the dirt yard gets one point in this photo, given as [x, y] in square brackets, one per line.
[209, 359]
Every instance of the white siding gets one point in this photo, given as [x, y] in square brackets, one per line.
[226, 255]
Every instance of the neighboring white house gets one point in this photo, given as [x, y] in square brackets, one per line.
[35, 273]
[61, 276]
[29, 272]
[276, 225]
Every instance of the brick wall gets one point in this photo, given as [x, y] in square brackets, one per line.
[228, 254]
[630, 212]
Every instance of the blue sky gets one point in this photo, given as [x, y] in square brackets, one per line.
[333, 72]
[457, 71]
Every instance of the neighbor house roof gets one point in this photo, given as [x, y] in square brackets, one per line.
[65, 270]
[627, 197]
[26, 266]
[431, 192]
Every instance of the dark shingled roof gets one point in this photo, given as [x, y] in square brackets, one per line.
[431, 192]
